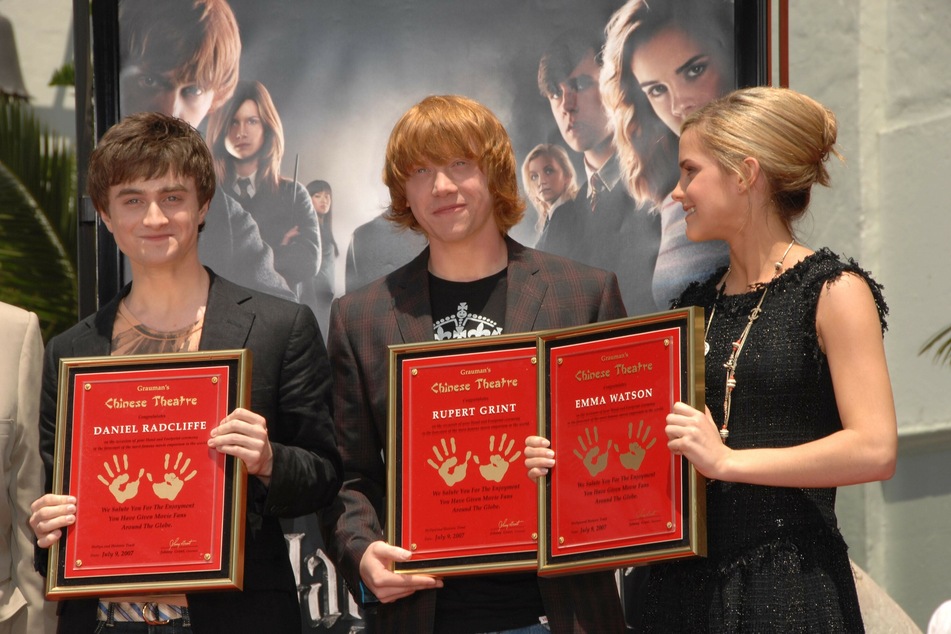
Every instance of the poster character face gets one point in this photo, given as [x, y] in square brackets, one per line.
[322, 201]
[577, 107]
[678, 74]
[155, 221]
[245, 132]
[452, 202]
[548, 180]
[710, 195]
[143, 90]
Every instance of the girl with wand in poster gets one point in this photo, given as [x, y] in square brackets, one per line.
[246, 138]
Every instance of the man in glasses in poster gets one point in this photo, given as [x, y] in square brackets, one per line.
[602, 226]
[451, 173]
[181, 57]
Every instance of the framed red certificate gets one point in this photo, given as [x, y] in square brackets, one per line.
[618, 496]
[457, 492]
[157, 509]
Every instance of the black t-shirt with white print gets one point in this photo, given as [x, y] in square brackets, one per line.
[484, 603]
[468, 309]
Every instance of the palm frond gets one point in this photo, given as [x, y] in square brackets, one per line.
[37, 219]
[44, 164]
[940, 343]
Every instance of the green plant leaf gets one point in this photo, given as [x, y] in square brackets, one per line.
[65, 75]
[44, 164]
[940, 343]
[37, 219]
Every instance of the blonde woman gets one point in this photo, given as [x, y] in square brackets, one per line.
[798, 397]
[550, 179]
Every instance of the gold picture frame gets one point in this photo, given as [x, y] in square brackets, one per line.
[158, 511]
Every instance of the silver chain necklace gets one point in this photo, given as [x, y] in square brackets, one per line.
[732, 362]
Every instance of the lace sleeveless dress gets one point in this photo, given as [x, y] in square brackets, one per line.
[777, 562]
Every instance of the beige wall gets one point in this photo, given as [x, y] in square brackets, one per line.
[43, 32]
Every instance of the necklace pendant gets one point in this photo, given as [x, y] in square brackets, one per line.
[724, 434]
[706, 348]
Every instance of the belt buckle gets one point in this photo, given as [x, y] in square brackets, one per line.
[153, 608]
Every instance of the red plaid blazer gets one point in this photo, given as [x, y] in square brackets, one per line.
[544, 291]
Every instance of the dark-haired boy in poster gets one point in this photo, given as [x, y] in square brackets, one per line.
[181, 57]
[603, 226]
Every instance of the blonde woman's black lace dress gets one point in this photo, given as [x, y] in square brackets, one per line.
[777, 562]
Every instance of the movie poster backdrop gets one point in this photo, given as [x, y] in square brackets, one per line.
[340, 74]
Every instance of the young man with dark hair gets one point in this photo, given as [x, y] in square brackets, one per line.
[451, 174]
[603, 226]
[151, 180]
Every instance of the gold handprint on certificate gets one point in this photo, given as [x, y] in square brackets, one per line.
[120, 487]
[636, 448]
[594, 458]
[447, 464]
[498, 462]
[172, 484]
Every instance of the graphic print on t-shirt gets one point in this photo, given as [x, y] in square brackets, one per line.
[464, 324]
[468, 309]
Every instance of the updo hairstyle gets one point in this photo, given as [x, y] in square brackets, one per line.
[789, 134]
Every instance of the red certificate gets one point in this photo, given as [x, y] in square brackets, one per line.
[457, 495]
[157, 510]
[618, 496]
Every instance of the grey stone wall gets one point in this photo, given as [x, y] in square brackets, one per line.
[882, 66]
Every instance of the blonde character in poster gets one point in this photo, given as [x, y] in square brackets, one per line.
[550, 179]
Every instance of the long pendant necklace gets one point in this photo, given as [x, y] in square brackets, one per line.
[732, 362]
